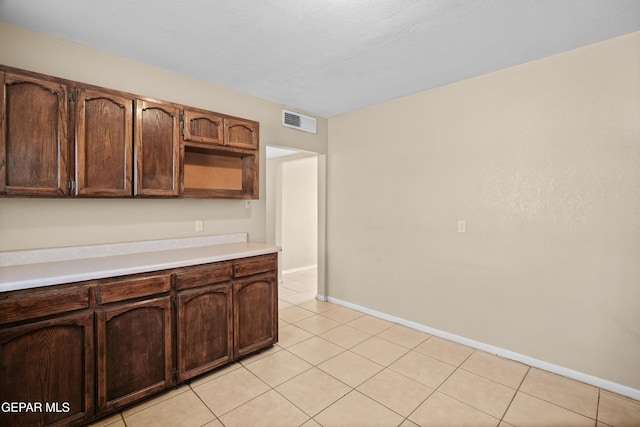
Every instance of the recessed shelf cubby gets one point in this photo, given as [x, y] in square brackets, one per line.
[219, 173]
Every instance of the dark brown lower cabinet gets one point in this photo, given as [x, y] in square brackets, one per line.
[134, 351]
[82, 351]
[204, 329]
[48, 365]
[255, 320]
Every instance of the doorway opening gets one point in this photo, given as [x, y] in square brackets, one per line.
[295, 200]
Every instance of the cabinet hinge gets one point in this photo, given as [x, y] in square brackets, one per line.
[71, 184]
[182, 124]
[72, 97]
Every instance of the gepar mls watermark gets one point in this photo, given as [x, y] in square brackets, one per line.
[30, 407]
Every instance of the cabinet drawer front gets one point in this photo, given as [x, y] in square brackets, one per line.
[133, 287]
[200, 276]
[255, 265]
[43, 304]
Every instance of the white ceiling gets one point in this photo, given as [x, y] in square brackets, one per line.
[328, 57]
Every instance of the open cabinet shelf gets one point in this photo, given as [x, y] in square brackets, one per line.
[219, 172]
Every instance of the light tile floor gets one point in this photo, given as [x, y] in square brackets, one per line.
[334, 366]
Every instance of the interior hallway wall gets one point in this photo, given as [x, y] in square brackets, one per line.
[542, 161]
[299, 213]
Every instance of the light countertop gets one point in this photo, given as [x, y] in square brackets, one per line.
[37, 268]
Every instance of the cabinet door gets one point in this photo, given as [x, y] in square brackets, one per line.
[204, 329]
[104, 144]
[255, 319]
[241, 133]
[49, 364]
[203, 127]
[157, 149]
[134, 351]
[33, 140]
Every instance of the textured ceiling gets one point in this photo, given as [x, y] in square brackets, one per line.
[327, 57]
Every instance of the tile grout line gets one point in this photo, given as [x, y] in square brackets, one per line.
[205, 404]
[559, 406]
[352, 388]
[516, 393]
[598, 405]
[435, 389]
[316, 366]
[466, 403]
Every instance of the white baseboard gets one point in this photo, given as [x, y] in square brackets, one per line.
[540, 364]
[295, 270]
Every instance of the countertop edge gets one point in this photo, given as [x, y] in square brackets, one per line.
[33, 276]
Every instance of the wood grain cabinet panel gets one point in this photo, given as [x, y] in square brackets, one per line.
[202, 275]
[39, 304]
[104, 143]
[134, 351]
[50, 363]
[254, 265]
[114, 290]
[255, 321]
[157, 149]
[203, 126]
[241, 133]
[33, 137]
[204, 329]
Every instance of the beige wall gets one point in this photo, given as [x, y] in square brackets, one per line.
[542, 161]
[38, 223]
[299, 213]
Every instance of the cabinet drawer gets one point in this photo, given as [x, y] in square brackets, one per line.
[41, 304]
[193, 277]
[255, 265]
[133, 287]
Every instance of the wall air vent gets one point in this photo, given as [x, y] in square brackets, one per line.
[298, 121]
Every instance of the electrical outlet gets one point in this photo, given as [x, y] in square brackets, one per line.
[247, 204]
[199, 226]
[462, 226]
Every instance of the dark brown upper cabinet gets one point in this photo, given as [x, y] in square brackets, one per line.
[203, 126]
[157, 149]
[219, 156]
[64, 138]
[33, 141]
[104, 143]
[241, 133]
